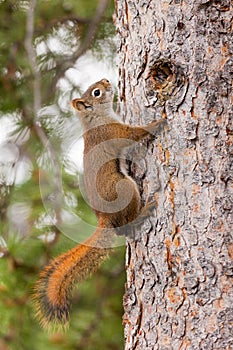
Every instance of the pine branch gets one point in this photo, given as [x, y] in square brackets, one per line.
[32, 56]
[36, 127]
[68, 62]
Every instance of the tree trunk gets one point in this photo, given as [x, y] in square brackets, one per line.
[175, 60]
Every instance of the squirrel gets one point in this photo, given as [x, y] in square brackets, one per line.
[113, 195]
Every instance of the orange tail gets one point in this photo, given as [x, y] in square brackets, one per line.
[53, 289]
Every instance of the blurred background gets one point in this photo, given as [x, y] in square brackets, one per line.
[50, 52]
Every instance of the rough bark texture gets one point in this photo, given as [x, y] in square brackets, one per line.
[175, 59]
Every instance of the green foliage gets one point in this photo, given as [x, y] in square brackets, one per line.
[96, 311]
[56, 21]
[36, 134]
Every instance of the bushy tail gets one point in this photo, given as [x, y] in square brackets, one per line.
[53, 289]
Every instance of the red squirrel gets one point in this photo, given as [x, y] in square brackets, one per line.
[104, 139]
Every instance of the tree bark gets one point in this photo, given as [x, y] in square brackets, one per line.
[175, 60]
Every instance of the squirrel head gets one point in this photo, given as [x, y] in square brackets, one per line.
[99, 96]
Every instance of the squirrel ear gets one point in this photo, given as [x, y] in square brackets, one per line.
[78, 104]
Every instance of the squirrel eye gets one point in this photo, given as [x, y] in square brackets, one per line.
[96, 93]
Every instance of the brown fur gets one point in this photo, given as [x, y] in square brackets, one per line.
[104, 139]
